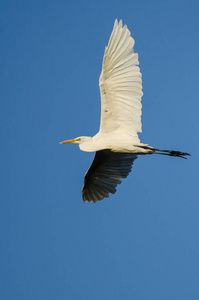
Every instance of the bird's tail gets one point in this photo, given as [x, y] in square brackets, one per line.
[171, 153]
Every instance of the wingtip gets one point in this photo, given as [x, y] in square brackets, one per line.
[116, 23]
[120, 23]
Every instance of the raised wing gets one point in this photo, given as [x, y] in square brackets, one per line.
[105, 173]
[120, 84]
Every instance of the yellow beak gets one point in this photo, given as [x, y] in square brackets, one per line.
[70, 141]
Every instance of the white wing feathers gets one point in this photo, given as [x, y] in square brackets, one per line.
[120, 84]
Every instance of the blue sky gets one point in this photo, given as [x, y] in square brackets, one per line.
[143, 242]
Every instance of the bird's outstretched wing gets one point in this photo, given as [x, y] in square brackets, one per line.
[120, 84]
[105, 173]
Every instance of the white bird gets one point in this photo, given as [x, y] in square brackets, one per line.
[117, 144]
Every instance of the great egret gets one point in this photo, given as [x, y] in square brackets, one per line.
[116, 144]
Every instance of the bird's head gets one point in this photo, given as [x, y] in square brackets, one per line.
[85, 143]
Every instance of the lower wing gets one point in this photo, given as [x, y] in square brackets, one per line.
[105, 173]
